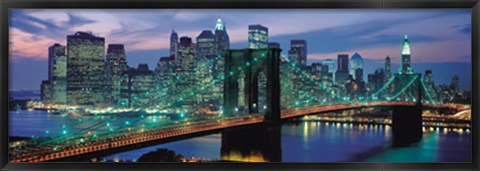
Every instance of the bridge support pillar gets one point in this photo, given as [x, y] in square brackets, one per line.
[272, 112]
[406, 125]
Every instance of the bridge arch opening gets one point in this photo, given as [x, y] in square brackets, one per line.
[260, 91]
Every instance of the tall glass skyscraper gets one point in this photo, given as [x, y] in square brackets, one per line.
[356, 62]
[57, 73]
[86, 80]
[257, 37]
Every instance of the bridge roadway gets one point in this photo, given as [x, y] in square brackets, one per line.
[132, 140]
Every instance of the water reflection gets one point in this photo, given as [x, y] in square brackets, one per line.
[260, 143]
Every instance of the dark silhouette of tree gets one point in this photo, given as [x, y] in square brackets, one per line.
[161, 155]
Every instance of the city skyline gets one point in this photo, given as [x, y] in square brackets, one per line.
[361, 73]
[371, 63]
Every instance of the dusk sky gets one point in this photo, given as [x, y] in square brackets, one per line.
[440, 38]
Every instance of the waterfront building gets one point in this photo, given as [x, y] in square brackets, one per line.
[45, 94]
[57, 73]
[86, 78]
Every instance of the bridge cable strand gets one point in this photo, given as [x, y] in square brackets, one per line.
[403, 89]
[428, 93]
[384, 87]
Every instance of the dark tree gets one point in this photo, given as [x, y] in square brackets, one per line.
[161, 155]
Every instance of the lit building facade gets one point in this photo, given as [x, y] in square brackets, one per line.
[206, 45]
[375, 80]
[406, 68]
[45, 92]
[137, 87]
[429, 86]
[298, 52]
[57, 73]
[342, 74]
[186, 71]
[165, 79]
[356, 62]
[86, 78]
[116, 66]
[206, 54]
[388, 68]
[257, 37]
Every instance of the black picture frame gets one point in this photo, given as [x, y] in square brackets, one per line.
[5, 5]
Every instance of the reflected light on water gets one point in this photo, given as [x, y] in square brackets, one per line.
[254, 156]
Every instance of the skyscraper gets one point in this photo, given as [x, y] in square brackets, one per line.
[388, 69]
[342, 74]
[222, 43]
[298, 52]
[186, 53]
[116, 66]
[257, 37]
[342, 62]
[173, 42]
[186, 70]
[86, 80]
[356, 62]
[406, 69]
[206, 45]
[206, 53]
[221, 37]
[57, 73]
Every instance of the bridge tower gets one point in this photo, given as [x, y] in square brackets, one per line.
[407, 120]
[250, 63]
